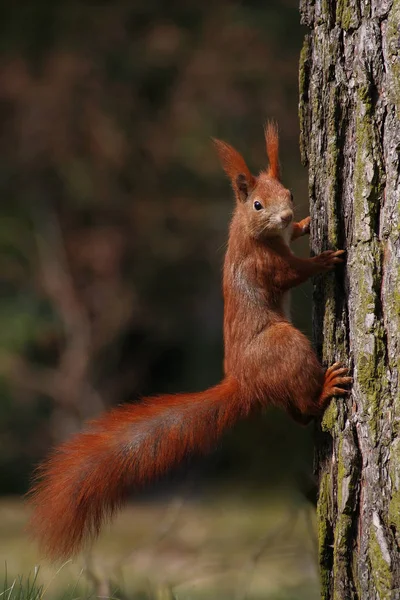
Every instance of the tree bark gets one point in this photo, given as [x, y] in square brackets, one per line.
[350, 140]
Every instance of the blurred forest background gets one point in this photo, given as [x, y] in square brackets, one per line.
[115, 211]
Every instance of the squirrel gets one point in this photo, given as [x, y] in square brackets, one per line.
[267, 362]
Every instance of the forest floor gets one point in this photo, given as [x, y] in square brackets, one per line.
[222, 548]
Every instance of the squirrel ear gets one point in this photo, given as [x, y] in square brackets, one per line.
[235, 167]
[272, 144]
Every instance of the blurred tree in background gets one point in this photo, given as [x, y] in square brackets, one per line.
[115, 210]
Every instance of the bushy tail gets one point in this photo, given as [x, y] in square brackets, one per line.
[86, 479]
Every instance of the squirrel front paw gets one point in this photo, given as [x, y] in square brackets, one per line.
[327, 260]
[304, 225]
[301, 228]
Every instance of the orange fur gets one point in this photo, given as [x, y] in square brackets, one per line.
[232, 162]
[267, 361]
[86, 478]
[272, 145]
[234, 166]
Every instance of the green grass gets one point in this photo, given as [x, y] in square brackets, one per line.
[21, 588]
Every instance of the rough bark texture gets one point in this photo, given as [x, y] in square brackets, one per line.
[350, 140]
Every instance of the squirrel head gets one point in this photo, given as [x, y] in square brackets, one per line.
[264, 205]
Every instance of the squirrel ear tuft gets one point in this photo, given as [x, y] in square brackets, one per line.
[235, 167]
[272, 144]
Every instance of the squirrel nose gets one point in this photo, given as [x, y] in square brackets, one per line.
[286, 216]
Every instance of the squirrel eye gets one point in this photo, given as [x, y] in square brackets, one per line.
[257, 205]
[291, 197]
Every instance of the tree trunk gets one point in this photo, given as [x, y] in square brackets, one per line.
[350, 140]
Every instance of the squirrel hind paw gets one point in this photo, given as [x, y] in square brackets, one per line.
[335, 378]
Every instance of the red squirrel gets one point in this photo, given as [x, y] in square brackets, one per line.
[267, 362]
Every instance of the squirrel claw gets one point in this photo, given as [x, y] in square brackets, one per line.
[335, 377]
[336, 391]
[328, 259]
[333, 367]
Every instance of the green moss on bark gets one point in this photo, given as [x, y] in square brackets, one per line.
[394, 503]
[333, 164]
[392, 42]
[330, 417]
[324, 509]
[380, 570]
[304, 66]
[368, 170]
[347, 14]
[372, 378]
[394, 513]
